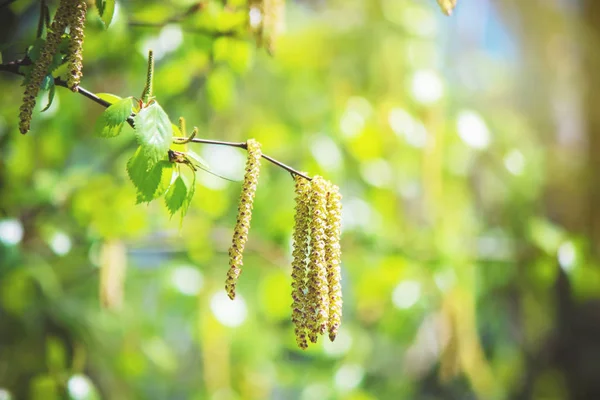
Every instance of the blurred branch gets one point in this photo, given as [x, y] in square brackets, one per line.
[13, 67]
[193, 9]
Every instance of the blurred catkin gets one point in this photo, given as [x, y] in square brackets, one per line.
[41, 65]
[240, 234]
[447, 6]
[256, 13]
[273, 22]
[318, 287]
[333, 258]
[77, 15]
[300, 260]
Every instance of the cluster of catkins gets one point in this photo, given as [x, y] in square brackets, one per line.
[71, 14]
[316, 286]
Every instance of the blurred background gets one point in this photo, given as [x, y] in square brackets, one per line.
[467, 151]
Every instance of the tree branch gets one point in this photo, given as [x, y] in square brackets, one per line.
[13, 67]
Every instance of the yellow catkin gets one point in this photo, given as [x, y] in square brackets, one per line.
[240, 234]
[333, 259]
[318, 287]
[300, 260]
[256, 12]
[274, 22]
[40, 68]
[75, 59]
[447, 6]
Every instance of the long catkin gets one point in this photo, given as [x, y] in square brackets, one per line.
[240, 235]
[333, 259]
[318, 287]
[75, 59]
[300, 260]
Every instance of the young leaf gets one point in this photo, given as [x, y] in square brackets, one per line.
[106, 9]
[154, 132]
[188, 198]
[165, 180]
[51, 91]
[137, 166]
[176, 195]
[153, 185]
[112, 119]
[149, 182]
[111, 98]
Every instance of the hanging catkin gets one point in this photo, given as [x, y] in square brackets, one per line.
[273, 22]
[300, 260]
[333, 258]
[75, 59]
[318, 287]
[41, 65]
[240, 234]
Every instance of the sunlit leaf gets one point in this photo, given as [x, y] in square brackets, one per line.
[112, 119]
[148, 180]
[111, 98]
[154, 132]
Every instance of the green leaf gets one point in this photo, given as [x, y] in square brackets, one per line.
[149, 182]
[176, 195]
[106, 9]
[47, 82]
[112, 119]
[165, 180]
[50, 95]
[109, 97]
[154, 132]
[35, 50]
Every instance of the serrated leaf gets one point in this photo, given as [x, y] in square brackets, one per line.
[137, 167]
[35, 50]
[106, 9]
[50, 96]
[149, 182]
[153, 183]
[112, 119]
[109, 97]
[176, 195]
[165, 180]
[154, 132]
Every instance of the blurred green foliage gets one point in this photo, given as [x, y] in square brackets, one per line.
[469, 239]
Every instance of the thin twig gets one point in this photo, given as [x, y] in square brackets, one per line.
[197, 31]
[242, 145]
[13, 67]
